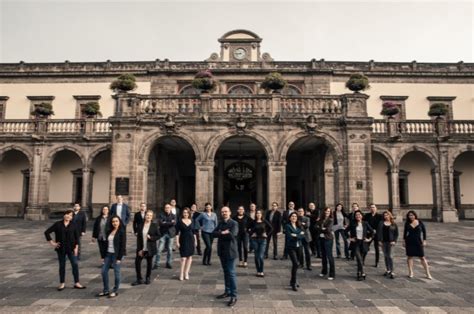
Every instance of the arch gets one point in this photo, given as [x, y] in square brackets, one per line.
[52, 153]
[240, 90]
[96, 152]
[215, 142]
[251, 34]
[293, 137]
[151, 141]
[431, 156]
[291, 90]
[28, 154]
[384, 153]
[459, 152]
[188, 90]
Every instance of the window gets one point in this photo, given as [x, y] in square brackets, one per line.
[400, 102]
[447, 100]
[37, 100]
[291, 90]
[403, 187]
[189, 90]
[3, 106]
[82, 101]
[240, 90]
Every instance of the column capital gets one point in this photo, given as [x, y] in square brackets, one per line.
[276, 164]
[206, 163]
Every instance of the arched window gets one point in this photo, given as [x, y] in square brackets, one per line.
[240, 90]
[291, 90]
[189, 90]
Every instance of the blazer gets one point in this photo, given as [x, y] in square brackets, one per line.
[96, 228]
[137, 221]
[392, 232]
[80, 220]
[125, 212]
[293, 236]
[305, 225]
[154, 234]
[275, 222]
[284, 219]
[367, 233]
[373, 220]
[325, 227]
[120, 243]
[67, 237]
[243, 224]
[344, 214]
[258, 231]
[167, 224]
[227, 243]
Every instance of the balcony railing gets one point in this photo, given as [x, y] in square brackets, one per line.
[56, 126]
[422, 127]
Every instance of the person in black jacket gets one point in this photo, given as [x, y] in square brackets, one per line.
[122, 210]
[243, 237]
[284, 221]
[294, 234]
[341, 222]
[116, 246]
[194, 216]
[360, 234]
[326, 239]
[99, 232]
[374, 218]
[139, 218]
[147, 235]
[66, 244]
[259, 229]
[80, 220]
[226, 232]
[167, 224]
[274, 217]
[387, 234]
[314, 214]
[305, 226]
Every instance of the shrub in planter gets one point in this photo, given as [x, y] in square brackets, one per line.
[357, 82]
[91, 109]
[43, 110]
[389, 109]
[437, 110]
[273, 81]
[204, 81]
[124, 83]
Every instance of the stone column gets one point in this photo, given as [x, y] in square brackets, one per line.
[448, 211]
[220, 180]
[86, 190]
[204, 183]
[37, 208]
[394, 190]
[259, 177]
[277, 182]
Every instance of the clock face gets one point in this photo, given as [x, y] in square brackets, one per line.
[240, 53]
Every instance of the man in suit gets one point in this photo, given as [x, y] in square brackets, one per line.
[273, 216]
[305, 224]
[284, 222]
[226, 232]
[174, 208]
[80, 221]
[120, 209]
[374, 218]
[139, 218]
[313, 213]
[167, 223]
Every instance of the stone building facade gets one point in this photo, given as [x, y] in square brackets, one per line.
[314, 141]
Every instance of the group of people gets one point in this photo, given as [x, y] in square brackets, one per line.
[307, 233]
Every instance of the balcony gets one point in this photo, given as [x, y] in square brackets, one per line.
[53, 127]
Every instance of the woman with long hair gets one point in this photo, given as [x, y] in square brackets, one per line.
[414, 241]
[207, 223]
[326, 240]
[387, 233]
[116, 243]
[259, 230]
[360, 234]
[186, 241]
[243, 237]
[340, 218]
[294, 234]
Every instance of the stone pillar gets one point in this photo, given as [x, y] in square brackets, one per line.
[394, 190]
[86, 190]
[329, 180]
[448, 211]
[220, 180]
[204, 183]
[276, 104]
[37, 208]
[277, 183]
[259, 177]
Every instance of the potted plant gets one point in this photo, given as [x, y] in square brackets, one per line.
[357, 82]
[274, 81]
[91, 109]
[438, 110]
[389, 109]
[124, 83]
[43, 110]
[204, 81]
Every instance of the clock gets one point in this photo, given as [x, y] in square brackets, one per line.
[240, 53]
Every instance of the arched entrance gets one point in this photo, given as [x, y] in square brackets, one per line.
[310, 175]
[240, 173]
[171, 173]
[381, 181]
[464, 184]
[100, 181]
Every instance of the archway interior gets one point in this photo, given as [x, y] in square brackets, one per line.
[14, 183]
[100, 181]
[171, 173]
[305, 175]
[380, 179]
[240, 173]
[464, 184]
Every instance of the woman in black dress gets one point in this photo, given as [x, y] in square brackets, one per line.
[66, 244]
[186, 241]
[414, 236]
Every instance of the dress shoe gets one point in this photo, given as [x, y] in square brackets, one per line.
[275, 258]
[138, 282]
[79, 287]
[222, 296]
[391, 276]
[147, 281]
[309, 268]
[61, 288]
[293, 287]
[169, 266]
[232, 301]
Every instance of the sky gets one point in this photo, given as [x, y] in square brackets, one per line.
[83, 31]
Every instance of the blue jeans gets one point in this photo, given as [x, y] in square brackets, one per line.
[327, 257]
[341, 233]
[208, 238]
[108, 261]
[161, 245]
[260, 247]
[230, 277]
[62, 266]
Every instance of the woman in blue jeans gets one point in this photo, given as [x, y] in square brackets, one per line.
[116, 243]
[340, 218]
[326, 238]
[259, 229]
[207, 222]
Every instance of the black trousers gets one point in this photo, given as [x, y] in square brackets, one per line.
[294, 253]
[198, 242]
[102, 247]
[62, 266]
[208, 239]
[242, 246]
[307, 254]
[358, 249]
[138, 265]
[327, 257]
[272, 237]
[314, 244]
[377, 249]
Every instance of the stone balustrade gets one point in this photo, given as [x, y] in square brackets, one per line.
[435, 127]
[56, 126]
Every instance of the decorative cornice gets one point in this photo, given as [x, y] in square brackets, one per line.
[40, 98]
[441, 98]
[87, 97]
[399, 98]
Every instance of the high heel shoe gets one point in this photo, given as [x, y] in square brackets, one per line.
[293, 287]
[359, 278]
[363, 276]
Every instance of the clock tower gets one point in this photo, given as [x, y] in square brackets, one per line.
[240, 46]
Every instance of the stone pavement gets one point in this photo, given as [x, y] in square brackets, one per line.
[29, 277]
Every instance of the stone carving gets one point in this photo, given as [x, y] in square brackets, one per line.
[240, 125]
[169, 125]
[310, 125]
